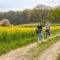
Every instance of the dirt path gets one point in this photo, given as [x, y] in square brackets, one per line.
[51, 53]
[20, 54]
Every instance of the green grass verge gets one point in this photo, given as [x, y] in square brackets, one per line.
[58, 57]
[6, 47]
[35, 52]
[55, 24]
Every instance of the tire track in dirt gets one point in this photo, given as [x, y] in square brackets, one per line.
[51, 52]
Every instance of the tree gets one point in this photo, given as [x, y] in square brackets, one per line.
[5, 22]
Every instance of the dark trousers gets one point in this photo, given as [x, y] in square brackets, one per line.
[47, 33]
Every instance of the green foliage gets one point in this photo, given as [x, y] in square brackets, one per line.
[58, 57]
[54, 14]
[32, 16]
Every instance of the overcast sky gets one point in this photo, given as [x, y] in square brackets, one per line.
[6, 5]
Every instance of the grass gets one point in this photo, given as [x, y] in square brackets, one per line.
[58, 57]
[35, 52]
[55, 24]
[8, 46]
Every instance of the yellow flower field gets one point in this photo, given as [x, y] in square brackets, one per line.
[13, 29]
[55, 27]
[17, 29]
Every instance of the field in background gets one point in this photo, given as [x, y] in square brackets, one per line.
[35, 24]
[16, 36]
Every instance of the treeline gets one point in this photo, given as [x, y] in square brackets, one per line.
[32, 16]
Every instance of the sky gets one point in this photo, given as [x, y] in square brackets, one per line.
[17, 5]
